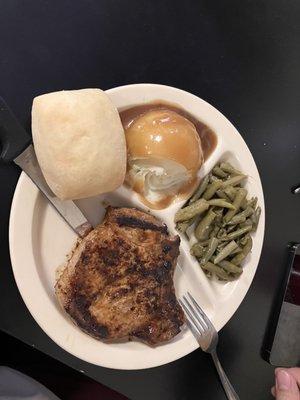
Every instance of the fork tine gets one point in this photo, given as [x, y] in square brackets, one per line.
[204, 316]
[191, 321]
[196, 314]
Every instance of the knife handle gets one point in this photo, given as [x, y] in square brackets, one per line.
[13, 137]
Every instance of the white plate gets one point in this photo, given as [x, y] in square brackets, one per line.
[40, 239]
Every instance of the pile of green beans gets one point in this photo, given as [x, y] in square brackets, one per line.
[222, 219]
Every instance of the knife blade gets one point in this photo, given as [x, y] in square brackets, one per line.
[17, 147]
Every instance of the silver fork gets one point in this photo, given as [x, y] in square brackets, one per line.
[207, 337]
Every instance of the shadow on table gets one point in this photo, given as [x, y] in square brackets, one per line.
[63, 381]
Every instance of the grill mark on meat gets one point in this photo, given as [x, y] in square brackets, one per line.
[133, 222]
[121, 286]
[85, 259]
[78, 310]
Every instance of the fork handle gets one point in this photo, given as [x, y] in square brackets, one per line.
[228, 388]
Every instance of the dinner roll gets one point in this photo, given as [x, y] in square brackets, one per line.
[79, 142]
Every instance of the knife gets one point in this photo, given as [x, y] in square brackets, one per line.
[17, 146]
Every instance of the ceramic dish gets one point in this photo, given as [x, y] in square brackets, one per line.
[40, 241]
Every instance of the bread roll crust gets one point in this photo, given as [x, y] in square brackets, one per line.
[79, 142]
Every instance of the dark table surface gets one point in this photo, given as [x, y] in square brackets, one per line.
[242, 57]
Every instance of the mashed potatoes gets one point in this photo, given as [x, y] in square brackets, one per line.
[164, 153]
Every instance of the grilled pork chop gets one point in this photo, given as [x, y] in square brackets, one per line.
[118, 284]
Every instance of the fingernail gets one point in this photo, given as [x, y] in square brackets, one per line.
[283, 380]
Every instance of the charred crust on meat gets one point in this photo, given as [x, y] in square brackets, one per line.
[133, 222]
[120, 286]
[167, 265]
[170, 246]
[91, 326]
[166, 248]
[79, 311]
[120, 292]
[160, 274]
[85, 259]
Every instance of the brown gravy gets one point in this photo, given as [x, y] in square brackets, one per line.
[207, 136]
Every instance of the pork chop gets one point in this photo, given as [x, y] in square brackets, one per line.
[118, 284]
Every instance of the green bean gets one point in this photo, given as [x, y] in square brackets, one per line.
[197, 250]
[245, 223]
[246, 250]
[248, 246]
[208, 274]
[191, 211]
[219, 172]
[230, 228]
[212, 258]
[253, 202]
[227, 219]
[215, 269]
[201, 189]
[230, 191]
[209, 231]
[235, 180]
[239, 197]
[211, 248]
[222, 195]
[215, 230]
[230, 267]
[248, 211]
[238, 258]
[235, 234]
[243, 240]
[221, 246]
[244, 204]
[226, 251]
[236, 251]
[221, 203]
[213, 178]
[255, 218]
[241, 217]
[182, 226]
[204, 243]
[202, 229]
[211, 189]
[229, 169]
[222, 233]
[218, 211]
[249, 203]
[219, 221]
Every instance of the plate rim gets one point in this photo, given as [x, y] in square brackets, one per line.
[12, 225]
